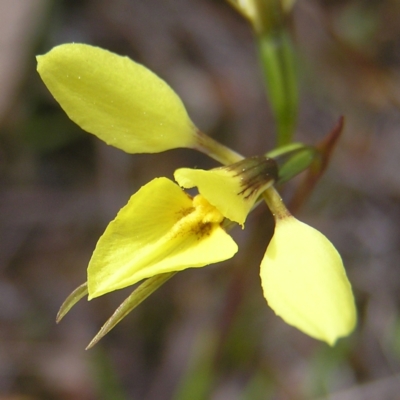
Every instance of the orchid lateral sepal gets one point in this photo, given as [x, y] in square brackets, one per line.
[140, 294]
[79, 293]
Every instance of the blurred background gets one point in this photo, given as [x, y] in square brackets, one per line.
[207, 333]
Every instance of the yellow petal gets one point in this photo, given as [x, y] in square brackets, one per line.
[219, 188]
[160, 230]
[233, 190]
[116, 99]
[305, 283]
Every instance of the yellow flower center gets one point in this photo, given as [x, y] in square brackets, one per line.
[199, 219]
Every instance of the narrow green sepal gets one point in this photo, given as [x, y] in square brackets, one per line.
[140, 294]
[79, 293]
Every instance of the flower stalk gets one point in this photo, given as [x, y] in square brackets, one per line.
[275, 204]
[216, 150]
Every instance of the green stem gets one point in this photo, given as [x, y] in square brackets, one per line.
[216, 150]
[275, 204]
[279, 67]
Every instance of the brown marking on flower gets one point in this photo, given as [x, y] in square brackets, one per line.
[254, 173]
[203, 229]
[183, 212]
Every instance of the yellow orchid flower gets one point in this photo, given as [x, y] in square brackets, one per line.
[162, 230]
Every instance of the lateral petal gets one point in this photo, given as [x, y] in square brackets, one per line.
[121, 102]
